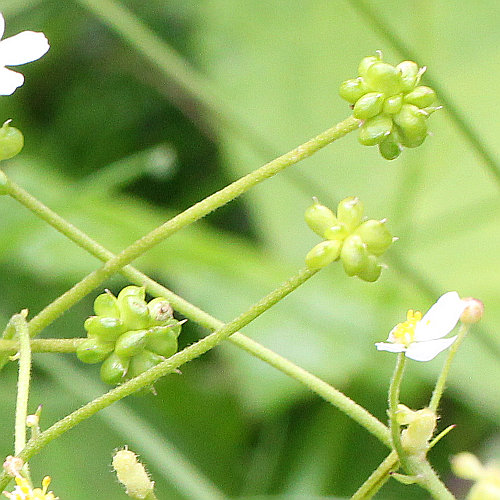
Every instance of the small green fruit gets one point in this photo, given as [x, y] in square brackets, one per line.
[409, 74]
[319, 218]
[374, 130]
[106, 305]
[389, 148]
[131, 343]
[366, 63]
[392, 105]
[354, 255]
[385, 78]
[143, 362]
[106, 329]
[350, 212]
[134, 312]
[368, 106]
[114, 369]
[91, 350]
[160, 310]
[162, 340]
[338, 232]
[11, 141]
[371, 271]
[375, 236]
[421, 97]
[323, 254]
[352, 90]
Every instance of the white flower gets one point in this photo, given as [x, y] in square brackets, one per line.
[18, 49]
[422, 339]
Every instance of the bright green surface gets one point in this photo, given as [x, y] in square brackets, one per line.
[95, 100]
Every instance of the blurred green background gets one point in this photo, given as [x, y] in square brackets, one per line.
[119, 138]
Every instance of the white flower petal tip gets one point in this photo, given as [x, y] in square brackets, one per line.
[421, 338]
[22, 48]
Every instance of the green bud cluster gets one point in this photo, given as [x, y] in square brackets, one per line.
[358, 243]
[11, 141]
[391, 103]
[128, 335]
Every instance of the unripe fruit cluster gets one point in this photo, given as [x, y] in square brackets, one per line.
[357, 243]
[391, 103]
[128, 335]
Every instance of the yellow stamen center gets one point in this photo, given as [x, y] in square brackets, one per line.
[403, 333]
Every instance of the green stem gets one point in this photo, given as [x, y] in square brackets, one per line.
[42, 345]
[428, 479]
[394, 390]
[192, 214]
[23, 384]
[441, 381]
[196, 314]
[378, 478]
[168, 366]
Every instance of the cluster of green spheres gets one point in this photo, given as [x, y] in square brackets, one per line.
[391, 103]
[128, 335]
[356, 242]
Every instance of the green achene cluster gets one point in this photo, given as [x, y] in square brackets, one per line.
[356, 242]
[391, 103]
[128, 335]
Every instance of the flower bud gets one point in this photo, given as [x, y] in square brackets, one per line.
[374, 130]
[11, 141]
[409, 74]
[352, 90]
[132, 474]
[160, 310]
[467, 466]
[385, 78]
[371, 271]
[338, 232]
[375, 236]
[366, 63]
[353, 254]
[143, 362]
[106, 305]
[114, 369]
[420, 96]
[473, 312]
[106, 329]
[162, 340]
[131, 343]
[134, 312]
[4, 184]
[389, 148]
[350, 212]
[92, 350]
[392, 104]
[368, 106]
[319, 218]
[323, 254]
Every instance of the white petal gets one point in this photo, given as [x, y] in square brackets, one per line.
[441, 318]
[9, 81]
[386, 346]
[425, 351]
[23, 48]
[2, 25]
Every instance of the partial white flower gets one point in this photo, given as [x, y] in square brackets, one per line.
[422, 339]
[22, 48]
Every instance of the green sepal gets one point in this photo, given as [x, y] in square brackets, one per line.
[337, 232]
[366, 63]
[352, 90]
[160, 310]
[375, 236]
[319, 218]
[390, 148]
[421, 96]
[350, 212]
[323, 254]
[353, 255]
[371, 272]
[383, 77]
[106, 329]
[106, 305]
[162, 340]
[143, 362]
[131, 343]
[392, 104]
[374, 130]
[91, 350]
[409, 75]
[11, 141]
[404, 479]
[114, 369]
[368, 106]
[134, 312]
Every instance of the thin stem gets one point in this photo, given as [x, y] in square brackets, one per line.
[378, 478]
[441, 381]
[42, 345]
[428, 479]
[23, 384]
[192, 214]
[168, 366]
[394, 390]
[194, 313]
